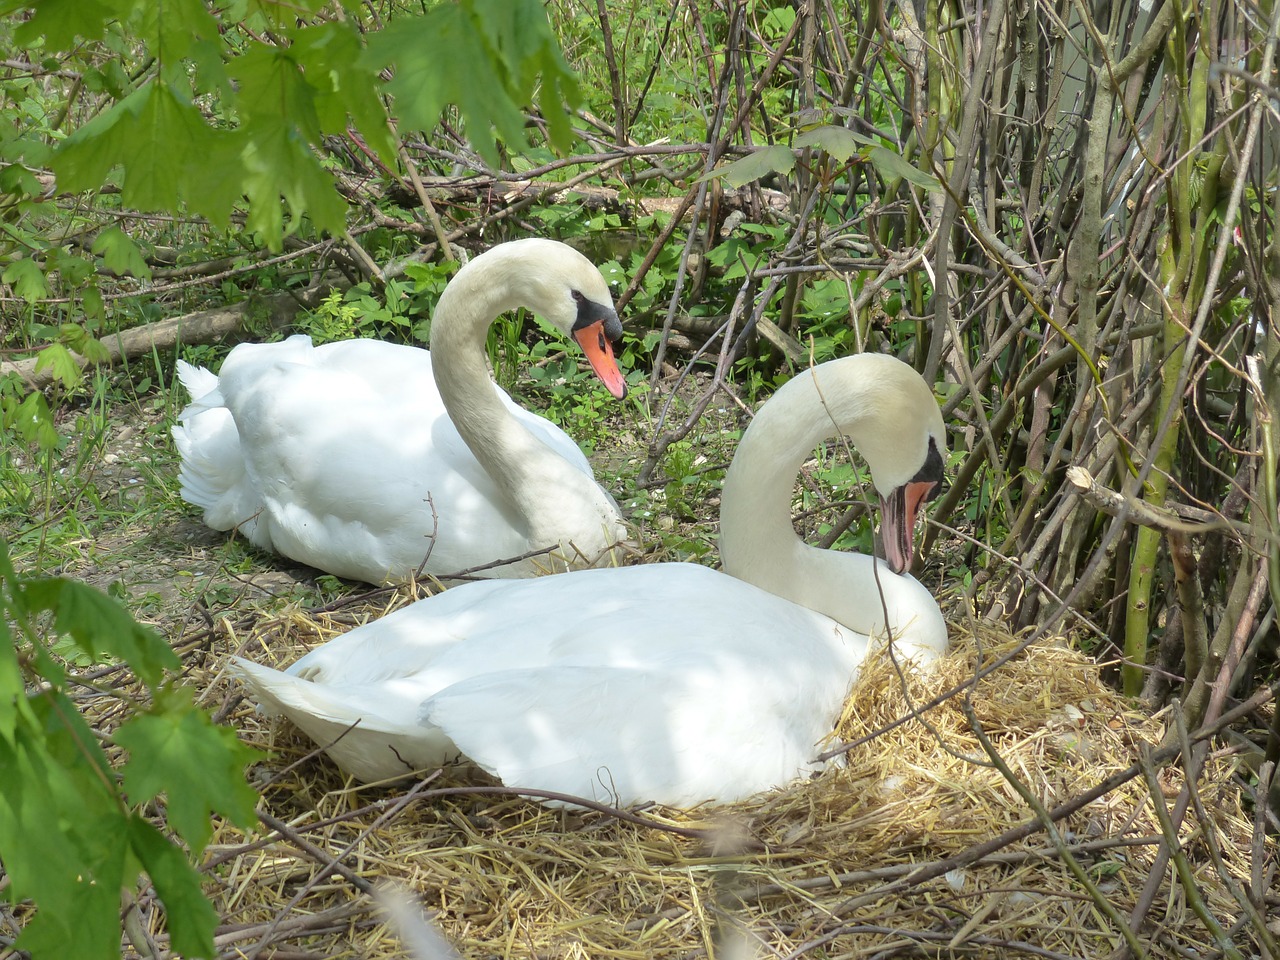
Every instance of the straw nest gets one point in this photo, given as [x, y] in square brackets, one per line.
[865, 860]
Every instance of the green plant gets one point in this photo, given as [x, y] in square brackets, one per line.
[567, 395]
[333, 319]
[230, 112]
[73, 823]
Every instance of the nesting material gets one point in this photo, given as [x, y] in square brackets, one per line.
[827, 867]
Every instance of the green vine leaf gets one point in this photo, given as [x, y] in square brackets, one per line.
[32, 420]
[72, 840]
[281, 122]
[435, 55]
[120, 254]
[840, 142]
[525, 42]
[100, 626]
[57, 358]
[175, 749]
[191, 917]
[78, 339]
[774, 158]
[328, 55]
[894, 165]
[57, 832]
[28, 279]
[12, 690]
[265, 107]
[163, 146]
[58, 24]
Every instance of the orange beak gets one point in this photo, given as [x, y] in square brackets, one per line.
[898, 514]
[599, 353]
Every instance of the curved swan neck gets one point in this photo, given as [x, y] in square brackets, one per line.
[523, 467]
[480, 292]
[758, 542]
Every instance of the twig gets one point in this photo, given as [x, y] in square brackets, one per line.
[978, 851]
[1100, 900]
[1143, 513]
[1185, 876]
[331, 864]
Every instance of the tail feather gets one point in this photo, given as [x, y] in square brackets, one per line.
[303, 702]
[364, 743]
[212, 473]
[202, 386]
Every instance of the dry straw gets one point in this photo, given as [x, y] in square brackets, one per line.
[831, 867]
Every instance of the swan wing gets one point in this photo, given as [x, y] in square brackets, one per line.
[668, 682]
[677, 734]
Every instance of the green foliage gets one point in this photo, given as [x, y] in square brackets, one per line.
[835, 479]
[748, 249]
[334, 319]
[568, 395]
[436, 55]
[775, 158]
[224, 110]
[71, 814]
[836, 142]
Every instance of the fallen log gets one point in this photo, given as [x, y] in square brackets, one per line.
[202, 326]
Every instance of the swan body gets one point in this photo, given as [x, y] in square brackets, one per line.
[665, 682]
[364, 458]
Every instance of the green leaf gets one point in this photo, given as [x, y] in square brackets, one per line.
[79, 339]
[32, 421]
[281, 122]
[774, 158]
[16, 179]
[120, 254]
[28, 280]
[92, 303]
[69, 838]
[894, 165]
[101, 626]
[436, 58]
[278, 163]
[167, 151]
[329, 56]
[56, 24]
[13, 698]
[840, 142]
[72, 268]
[528, 47]
[56, 830]
[274, 91]
[72, 745]
[57, 357]
[172, 30]
[178, 751]
[140, 133]
[192, 919]
[281, 13]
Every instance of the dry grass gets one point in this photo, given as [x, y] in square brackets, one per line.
[827, 868]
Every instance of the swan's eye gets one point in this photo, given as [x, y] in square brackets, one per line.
[578, 298]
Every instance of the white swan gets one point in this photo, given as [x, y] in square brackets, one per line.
[361, 457]
[666, 682]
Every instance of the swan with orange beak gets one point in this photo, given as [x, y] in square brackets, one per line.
[376, 461]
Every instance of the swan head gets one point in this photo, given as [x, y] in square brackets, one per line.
[563, 287]
[898, 429]
[890, 415]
